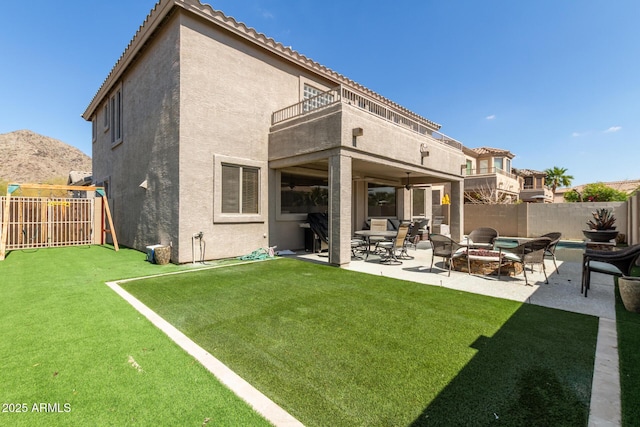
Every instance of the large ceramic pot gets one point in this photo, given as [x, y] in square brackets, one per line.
[630, 292]
[600, 235]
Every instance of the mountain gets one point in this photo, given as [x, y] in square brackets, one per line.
[28, 157]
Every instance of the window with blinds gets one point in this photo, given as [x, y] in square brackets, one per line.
[240, 193]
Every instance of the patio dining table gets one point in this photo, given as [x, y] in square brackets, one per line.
[368, 234]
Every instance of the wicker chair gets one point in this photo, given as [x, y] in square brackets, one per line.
[616, 263]
[550, 252]
[530, 252]
[448, 249]
[482, 238]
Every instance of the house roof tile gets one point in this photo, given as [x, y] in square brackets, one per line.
[528, 172]
[164, 8]
[488, 150]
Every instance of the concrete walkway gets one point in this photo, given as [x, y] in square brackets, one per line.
[562, 292]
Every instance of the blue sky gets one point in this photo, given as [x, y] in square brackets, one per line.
[555, 82]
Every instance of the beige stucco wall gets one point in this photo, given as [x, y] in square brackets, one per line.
[229, 89]
[570, 218]
[535, 219]
[149, 150]
[382, 141]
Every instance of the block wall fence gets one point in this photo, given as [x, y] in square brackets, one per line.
[535, 219]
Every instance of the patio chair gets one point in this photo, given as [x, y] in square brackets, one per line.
[319, 224]
[616, 263]
[358, 247]
[550, 252]
[378, 224]
[396, 247]
[423, 227]
[448, 249]
[482, 238]
[530, 252]
[413, 237]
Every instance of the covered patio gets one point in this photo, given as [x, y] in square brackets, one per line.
[359, 158]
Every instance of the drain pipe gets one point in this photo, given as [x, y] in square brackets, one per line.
[194, 237]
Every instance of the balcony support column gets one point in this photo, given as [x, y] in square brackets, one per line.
[340, 210]
[456, 221]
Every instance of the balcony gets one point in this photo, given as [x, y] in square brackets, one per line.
[490, 180]
[389, 113]
[539, 195]
[489, 171]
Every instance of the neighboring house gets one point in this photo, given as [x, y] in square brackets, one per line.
[79, 178]
[534, 188]
[629, 186]
[205, 125]
[488, 174]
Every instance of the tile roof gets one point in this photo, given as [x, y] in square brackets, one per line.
[164, 8]
[489, 150]
[528, 172]
[627, 186]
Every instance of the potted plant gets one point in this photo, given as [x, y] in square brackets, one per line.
[601, 228]
[630, 292]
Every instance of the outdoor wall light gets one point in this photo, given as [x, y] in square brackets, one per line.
[356, 132]
[424, 152]
[144, 184]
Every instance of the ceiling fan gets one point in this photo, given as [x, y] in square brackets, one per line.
[408, 186]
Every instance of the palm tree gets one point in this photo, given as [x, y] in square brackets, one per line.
[557, 177]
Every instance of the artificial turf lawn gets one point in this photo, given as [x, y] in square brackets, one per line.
[66, 338]
[628, 325]
[335, 347]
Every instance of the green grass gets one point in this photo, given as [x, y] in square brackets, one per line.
[335, 347]
[67, 338]
[628, 325]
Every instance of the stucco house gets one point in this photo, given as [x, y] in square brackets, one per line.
[488, 174]
[533, 188]
[205, 125]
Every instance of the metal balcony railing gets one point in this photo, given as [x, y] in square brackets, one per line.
[341, 94]
[488, 171]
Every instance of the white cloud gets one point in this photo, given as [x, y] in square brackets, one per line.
[491, 117]
[613, 129]
[267, 14]
[577, 134]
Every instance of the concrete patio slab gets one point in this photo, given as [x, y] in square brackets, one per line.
[562, 292]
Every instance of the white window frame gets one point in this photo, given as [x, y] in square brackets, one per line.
[218, 215]
[315, 97]
[238, 171]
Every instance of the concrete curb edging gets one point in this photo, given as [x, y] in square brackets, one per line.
[258, 401]
[605, 409]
